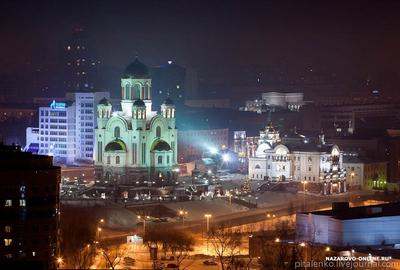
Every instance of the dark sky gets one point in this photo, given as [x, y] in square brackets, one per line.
[215, 35]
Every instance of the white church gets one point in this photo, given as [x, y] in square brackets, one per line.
[136, 146]
[295, 158]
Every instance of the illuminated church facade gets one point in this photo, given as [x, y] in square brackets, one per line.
[136, 146]
[296, 158]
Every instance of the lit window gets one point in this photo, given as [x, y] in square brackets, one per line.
[22, 202]
[8, 256]
[7, 242]
[33, 253]
[8, 203]
[68, 48]
[7, 229]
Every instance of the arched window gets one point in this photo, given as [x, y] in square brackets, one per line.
[158, 131]
[117, 160]
[159, 161]
[117, 132]
[136, 90]
[128, 91]
[257, 167]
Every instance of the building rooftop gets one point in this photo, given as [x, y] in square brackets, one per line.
[342, 211]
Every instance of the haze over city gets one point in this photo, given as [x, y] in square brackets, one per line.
[199, 135]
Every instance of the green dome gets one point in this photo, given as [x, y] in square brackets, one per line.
[139, 102]
[168, 101]
[137, 70]
[116, 145]
[161, 145]
[104, 102]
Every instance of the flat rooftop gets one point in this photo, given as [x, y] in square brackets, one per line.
[342, 211]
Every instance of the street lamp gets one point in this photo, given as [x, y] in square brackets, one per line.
[183, 213]
[59, 262]
[208, 216]
[144, 223]
[305, 192]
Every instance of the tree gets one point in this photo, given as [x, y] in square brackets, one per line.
[76, 237]
[113, 255]
[177, 242]
[226, 245]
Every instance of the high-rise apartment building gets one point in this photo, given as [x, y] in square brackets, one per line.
[29, 209]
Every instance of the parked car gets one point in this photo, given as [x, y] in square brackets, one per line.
[208, 262]
[129, 261]
[171, 266]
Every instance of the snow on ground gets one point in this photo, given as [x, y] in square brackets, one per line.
[197, 209]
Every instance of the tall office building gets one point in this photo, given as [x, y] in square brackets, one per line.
[169, 81]
[66, 129]
[29, 209]
[80, 62]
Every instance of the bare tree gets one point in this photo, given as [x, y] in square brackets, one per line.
[113, 255]
[226, 245]
[76, 235]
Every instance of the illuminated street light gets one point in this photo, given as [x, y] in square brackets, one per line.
[144, 222]
[302, 244]
[327, 249]
[60, 261]
[208, 216]
[183, 213]
[277, 240]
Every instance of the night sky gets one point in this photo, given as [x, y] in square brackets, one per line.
[361, 37]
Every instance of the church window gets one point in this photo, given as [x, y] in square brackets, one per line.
[283, 167]
[127, 91]
[117, 160]
[167, 159]
[159, 161]
[257, 167]
[134, 153]
[158, 131]
[117, 132]
[309, 169]
[136, 90]
[269, 167]
[108, 160]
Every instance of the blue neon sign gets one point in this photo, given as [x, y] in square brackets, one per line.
[57, 105]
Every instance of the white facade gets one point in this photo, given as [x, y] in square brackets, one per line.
[298, 159]
[135, 145]
[367, 226]
[66, 129]
[272, 100]
[85, 122]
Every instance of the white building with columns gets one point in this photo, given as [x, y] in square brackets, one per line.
[298, 159]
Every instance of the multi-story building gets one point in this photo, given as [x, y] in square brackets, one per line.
[168, 81]
[66, 129]
[80, 62]
[136, 145]
[298, 158]
[275, 101]
[365, 173]
[29, 210]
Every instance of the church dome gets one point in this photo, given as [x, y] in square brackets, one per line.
[104, 101]
[137, 70]
[161, 145]
[116, 145]
[168, 101]
[139, 102]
